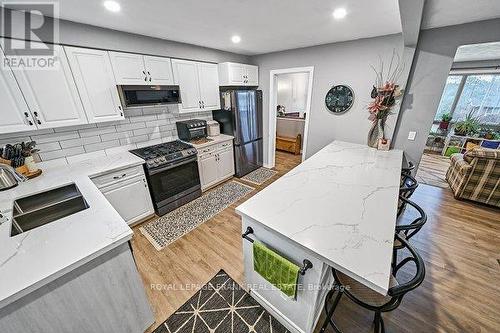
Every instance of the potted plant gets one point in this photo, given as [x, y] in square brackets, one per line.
[445, 121]
[469, 125]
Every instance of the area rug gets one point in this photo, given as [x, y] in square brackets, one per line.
[221, 306]
[259, 176]
[179, 222]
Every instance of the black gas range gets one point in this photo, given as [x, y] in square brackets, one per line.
[172, 172]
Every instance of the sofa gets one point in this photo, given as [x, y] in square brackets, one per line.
[475, 175]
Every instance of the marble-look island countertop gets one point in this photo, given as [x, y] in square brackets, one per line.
[340, 204]
[38, 256]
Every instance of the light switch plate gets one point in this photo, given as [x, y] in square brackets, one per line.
[412, 135]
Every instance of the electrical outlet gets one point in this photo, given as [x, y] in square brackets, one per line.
[412, 135]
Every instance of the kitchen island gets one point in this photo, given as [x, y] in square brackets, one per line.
[75, 274]
[336, 209]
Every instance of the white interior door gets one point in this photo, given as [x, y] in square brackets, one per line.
[131, 199]
[209, 86]
[252, 75]
[51, 94]
[159, 70]
[208, 167]
[128, 68]
[14, 113]
[236, 74]
[186, 76]
[94, 77]
[226, 163]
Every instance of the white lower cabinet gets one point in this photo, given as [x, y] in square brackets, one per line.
[215, 164]
[127, 191]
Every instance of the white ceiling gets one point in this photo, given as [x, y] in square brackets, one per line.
[264, 25]
[440, 13]
[478, 52]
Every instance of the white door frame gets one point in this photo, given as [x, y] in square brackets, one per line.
[273, 101]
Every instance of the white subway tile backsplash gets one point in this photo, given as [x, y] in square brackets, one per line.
[129, 127]
[96, 131]
[142, 118]
[74, 128]
[118, 135]
[49, 146]
[80, 141]
[50, 155]
[101, 145]
[54, 137]
[141, 127]
[133, 139]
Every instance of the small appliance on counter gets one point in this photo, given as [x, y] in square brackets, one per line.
[191, 130]
[213, 128]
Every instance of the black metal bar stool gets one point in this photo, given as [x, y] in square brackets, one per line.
[370, 299]
[408, 230]
[408, 186]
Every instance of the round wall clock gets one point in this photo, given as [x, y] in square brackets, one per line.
[339, 99]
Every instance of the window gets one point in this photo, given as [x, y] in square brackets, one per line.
[479, 93]
[449, 94]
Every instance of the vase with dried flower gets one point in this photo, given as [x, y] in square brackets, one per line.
[384, 93]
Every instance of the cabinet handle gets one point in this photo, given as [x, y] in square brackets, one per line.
[149, 73]
[144, 72]
[145, 78]
[119, 107]
[30, 122]
[118, 177]
[199, 103]
[202, 104]
[150, 79]
[38, 122]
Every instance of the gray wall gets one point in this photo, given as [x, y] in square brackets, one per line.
[433, 59]
[77, 34]
[337, 63]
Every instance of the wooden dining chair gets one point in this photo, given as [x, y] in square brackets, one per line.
[370, 299]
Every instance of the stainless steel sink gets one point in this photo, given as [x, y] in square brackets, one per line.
[36, 210]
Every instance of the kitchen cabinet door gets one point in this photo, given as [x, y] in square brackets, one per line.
[159, 70]
[186, 76]
[252, 75]
[51, 94]
[237, 74]
[209, 86]
[226, 163]
[128, 68]
[95, 81]
[130, 198]
[14, 113]
[208, 167]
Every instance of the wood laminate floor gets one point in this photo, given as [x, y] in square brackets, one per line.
[432, 170]
[460, 245]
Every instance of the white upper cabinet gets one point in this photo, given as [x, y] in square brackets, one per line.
[159, 70]
[209, 86]
[136, 69]
[14, 113]
[51, 94]
[235, 74]
[199, 85]
[95, 81]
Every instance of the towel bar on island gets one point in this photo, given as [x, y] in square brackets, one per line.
[306, 263]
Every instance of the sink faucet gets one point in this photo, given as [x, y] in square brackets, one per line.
[19, 177]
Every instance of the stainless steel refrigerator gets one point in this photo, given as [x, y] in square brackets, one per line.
[241, 117]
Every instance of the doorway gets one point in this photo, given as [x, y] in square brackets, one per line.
[468, 115]
[290, 92]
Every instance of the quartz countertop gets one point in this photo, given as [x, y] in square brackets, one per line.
[36, 257]
[215, 140]
[340, 204]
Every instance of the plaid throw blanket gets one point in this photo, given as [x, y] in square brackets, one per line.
[476, 176]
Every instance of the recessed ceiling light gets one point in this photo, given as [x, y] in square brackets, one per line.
[236, 39]
[112, 6]
[339, 13]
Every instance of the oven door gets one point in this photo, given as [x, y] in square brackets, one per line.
[171, 182]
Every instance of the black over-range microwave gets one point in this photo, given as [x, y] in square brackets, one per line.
[149, 95]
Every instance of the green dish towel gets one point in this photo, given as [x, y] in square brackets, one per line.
[279, 271]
